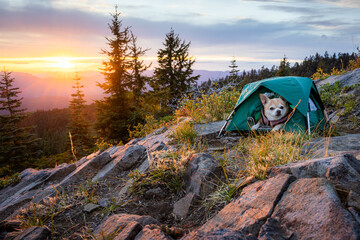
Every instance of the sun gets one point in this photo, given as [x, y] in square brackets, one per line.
[62, 62]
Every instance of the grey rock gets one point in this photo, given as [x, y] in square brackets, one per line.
[347, 79]
[201, 169]
[90, 207]
[355, 214]
[60, 172]
[181, 207]
[319, 147]
[152, 234]
[353, 200]
[124, 159]
[155, 193]
[311, 209]
[247, 213]
[343, 171]
[86, 170]
[104, 202]
[34, 233]
[209, 130]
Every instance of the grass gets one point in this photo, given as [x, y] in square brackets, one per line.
[167, 170]
[208, 108]
[185, 133]
[8, 180]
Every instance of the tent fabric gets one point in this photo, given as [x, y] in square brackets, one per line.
[296, 90]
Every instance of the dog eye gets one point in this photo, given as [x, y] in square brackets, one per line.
[281, 107]
[272, 108]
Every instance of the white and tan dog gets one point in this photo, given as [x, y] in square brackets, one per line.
[274, 114]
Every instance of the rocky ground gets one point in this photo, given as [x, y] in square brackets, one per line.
[102, 195]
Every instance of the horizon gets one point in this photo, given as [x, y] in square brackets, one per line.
[67, 36]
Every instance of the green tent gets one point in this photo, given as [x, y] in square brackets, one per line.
[301, 94]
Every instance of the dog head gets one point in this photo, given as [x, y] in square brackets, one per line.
[274, 109]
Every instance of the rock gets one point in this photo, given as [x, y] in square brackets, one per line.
[34, 233]
[223, 143]
[156, 193]
[124, 159]
[209, 130]
[181, 207]
[353, 200]
[343, 171]
[152, 234]
[311, 209]
[335, 116]
[272, 229]
[104, 202]
[247, 214]
[355, 214]
[123, 226]
[319, 147]
[201, 169]
[347, 79]
[60, 172]
[90, 207]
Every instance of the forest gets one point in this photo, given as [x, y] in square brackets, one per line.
[44, 139]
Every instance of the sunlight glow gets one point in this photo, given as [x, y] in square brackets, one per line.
[62, 62]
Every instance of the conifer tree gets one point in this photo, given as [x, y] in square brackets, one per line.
[138, 80]
[234, 71]
[114, 110]
[17, 145]
[79, 127]
[284, 68]
[174, 75]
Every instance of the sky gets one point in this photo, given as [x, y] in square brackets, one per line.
[53, 35]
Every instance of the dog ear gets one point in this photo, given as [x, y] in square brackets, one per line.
[283, 99]
[264, 99]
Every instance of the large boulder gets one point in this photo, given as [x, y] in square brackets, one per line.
[343, 171]
[347, 79]
[310, 209]
[245, 216]
[321, 147]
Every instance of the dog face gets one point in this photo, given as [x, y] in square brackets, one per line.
[274, 109]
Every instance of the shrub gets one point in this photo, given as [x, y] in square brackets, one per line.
[185, 133]
[8, 180]
[150, 125]
[337, 97]
[209, 108]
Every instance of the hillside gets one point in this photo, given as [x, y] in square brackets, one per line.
[53, 90]
[181, 182]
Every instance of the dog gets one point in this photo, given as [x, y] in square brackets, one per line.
[274, 113]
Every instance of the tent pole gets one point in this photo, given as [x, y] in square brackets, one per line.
[308, 122]
[226, 121]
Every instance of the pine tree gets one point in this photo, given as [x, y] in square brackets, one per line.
[234, 72]
[79, 127]
[17, 145]
[174, 75]
[284, 68]
[138, 80]
[114, 110]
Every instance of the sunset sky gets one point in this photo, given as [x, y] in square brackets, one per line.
[57, 35]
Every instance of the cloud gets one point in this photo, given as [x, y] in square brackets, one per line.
[42, 19]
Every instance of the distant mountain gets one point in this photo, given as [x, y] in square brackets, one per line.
[53, 90]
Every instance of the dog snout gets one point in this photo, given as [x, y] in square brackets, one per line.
[278, 112]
